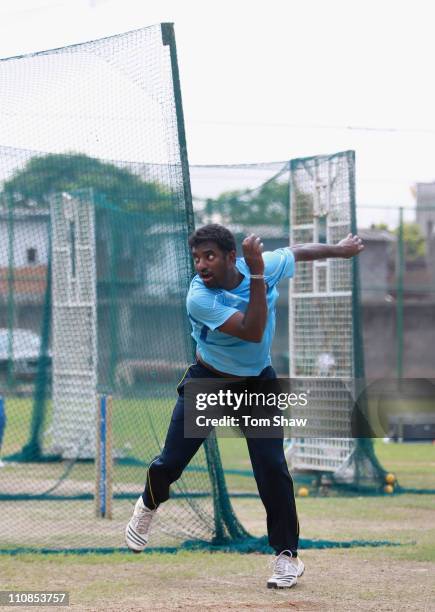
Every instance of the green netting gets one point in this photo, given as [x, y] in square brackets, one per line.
[93, 278]
[94, 270]
[305, 200]
[325, 324]
[245, 545]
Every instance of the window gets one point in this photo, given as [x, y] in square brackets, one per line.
[31, 255]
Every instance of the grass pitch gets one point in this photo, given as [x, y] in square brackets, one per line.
[381, 578]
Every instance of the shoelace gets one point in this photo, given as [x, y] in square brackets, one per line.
[143, 520]
[280, 564]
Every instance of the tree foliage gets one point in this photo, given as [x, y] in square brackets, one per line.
[32, 186]
[266, 206]
[414, 241]
[379, 226]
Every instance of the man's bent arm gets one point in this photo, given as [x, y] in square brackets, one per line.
[250, 325]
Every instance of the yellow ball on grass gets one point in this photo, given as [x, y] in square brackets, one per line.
[388, 489]
[390, 478]
[303, 492]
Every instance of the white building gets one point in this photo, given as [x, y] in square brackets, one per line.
[425, 197]
[25, 235]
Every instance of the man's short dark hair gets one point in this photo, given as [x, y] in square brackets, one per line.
[216, 233]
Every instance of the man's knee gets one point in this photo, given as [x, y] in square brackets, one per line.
[165, 467]
[270, 464]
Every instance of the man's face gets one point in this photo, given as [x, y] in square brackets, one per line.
[212, 264]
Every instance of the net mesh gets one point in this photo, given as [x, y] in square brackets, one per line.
[85, 312]
[303, 201]
[325, 326]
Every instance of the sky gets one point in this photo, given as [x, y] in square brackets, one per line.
[275, 80]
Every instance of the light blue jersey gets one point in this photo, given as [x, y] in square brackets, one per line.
[208, 309]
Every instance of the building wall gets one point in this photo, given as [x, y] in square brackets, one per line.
[27, 234]
[381, 339]
[425, 199]
[374, 268]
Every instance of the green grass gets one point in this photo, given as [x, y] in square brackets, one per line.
[412, 463]
[18, 413]
[364, 578]
[140, 425]
[136, 423]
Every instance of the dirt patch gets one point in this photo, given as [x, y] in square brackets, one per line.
[334, 580]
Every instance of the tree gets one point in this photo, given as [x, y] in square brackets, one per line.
[414, 241]
[267, 205]
[32, 186]
[121, 247]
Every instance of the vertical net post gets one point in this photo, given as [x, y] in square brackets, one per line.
[2, 419]
[358, 347]
[224, 517]
[11, 292]
[103, 458]
[365, 462]
[399, 298]
[113, 304]
[32, 451]
[168, 38]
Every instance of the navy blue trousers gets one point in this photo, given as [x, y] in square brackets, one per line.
[274, 482]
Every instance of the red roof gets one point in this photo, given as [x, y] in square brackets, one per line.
[30, 280]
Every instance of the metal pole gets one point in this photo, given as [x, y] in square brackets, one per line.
[103, 458]
[2, 420]
[114, 304]
[222, 503]
[11, 290]
[399, 296]
[168, 38]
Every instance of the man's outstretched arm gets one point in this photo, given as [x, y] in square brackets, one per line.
[346, 248]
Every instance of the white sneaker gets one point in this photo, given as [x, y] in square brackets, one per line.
[286, 571]
[138, 528]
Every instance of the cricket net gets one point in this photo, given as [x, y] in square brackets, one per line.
[94, 270]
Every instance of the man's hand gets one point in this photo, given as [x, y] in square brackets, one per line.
[252, 252]
[350, 246]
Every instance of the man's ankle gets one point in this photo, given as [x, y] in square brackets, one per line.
[147, 504]
[288, 553]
